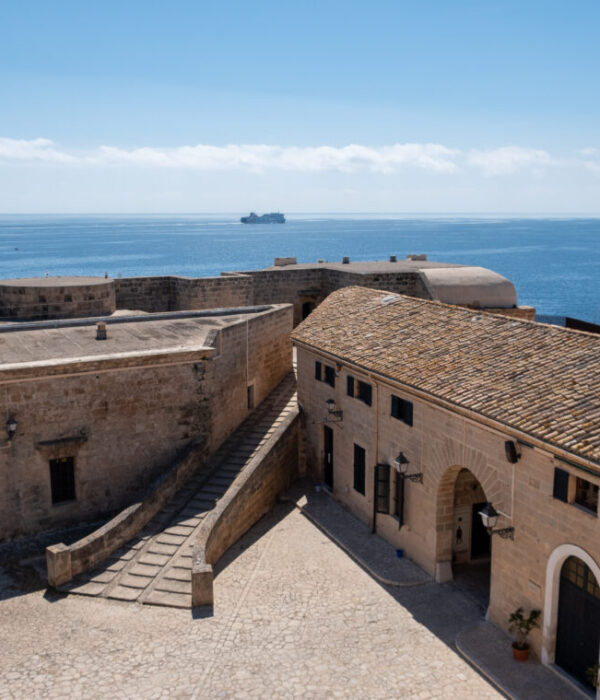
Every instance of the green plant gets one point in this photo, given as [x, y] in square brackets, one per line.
[522, 626]
[593, 675]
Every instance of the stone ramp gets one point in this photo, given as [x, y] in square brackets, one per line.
[154, 568]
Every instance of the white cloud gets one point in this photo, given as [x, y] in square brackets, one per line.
[432, 157]
[32, 150]
[508, 159]
[262, 157]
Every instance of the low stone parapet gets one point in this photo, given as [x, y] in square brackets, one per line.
[251, 495]
[65, 562]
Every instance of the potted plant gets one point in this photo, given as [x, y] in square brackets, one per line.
[522, 626]
[593, 675]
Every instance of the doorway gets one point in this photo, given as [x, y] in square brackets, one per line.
[328, 456]
[578, 628]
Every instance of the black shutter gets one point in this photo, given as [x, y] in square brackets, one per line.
[561, 485]
[359, 469]
[407, 412]
[395, 411]
[350, 385]
[368, 395]
[318, 371]
[382, 486]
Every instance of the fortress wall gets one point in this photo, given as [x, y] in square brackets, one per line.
[150, 294]
[211, 292]
[293, 286]
[398, 282]
[45, 301]
[124, 423]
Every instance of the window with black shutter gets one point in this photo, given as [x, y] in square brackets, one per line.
[62, 479]
[561, 485]
[359, 469]
[365, 392]
[318, 371]
[382, 488]
[329, 375]
[350, 385]
[402, 410]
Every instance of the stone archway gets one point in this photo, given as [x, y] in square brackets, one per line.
[552, 590]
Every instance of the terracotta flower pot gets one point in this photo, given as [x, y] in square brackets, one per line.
[520, 654]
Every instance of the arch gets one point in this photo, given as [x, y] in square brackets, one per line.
[551, 592]
[444, 514]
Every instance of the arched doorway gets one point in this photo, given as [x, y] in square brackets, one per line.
[578, 622]
[463, 543]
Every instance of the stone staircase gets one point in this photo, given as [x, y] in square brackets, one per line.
[154, 568]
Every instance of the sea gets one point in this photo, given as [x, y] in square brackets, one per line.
[554, 263]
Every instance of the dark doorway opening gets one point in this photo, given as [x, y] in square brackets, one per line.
[328, 456]
[307, 307]
[480, 539]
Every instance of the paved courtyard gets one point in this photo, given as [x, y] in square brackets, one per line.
[295, 616]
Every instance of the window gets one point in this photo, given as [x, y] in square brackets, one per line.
[586, 494]
[361, 390]
[329, 376]
[399, 498]
[382, 484]
[402, 410]
[359, 469]
[325, 373]
[251, 397]
[62, 479]
[561, 485]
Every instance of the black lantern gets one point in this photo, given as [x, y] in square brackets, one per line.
[332, 411]
[489, 518]
[11, 427]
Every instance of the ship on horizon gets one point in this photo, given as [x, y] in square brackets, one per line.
[272, 218]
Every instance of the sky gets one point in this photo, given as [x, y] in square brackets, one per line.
[299, 106]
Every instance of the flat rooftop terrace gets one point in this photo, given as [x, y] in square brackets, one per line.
[367, 267]
[53, 341]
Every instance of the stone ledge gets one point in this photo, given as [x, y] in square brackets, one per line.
[251, 495]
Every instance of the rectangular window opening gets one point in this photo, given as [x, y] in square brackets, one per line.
[402, 410]
[359, 469]
[251, 397]
[62, 479]
[330, 376]
[586, 495]
[365, 392]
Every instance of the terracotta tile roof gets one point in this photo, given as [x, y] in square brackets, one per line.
[540, 379]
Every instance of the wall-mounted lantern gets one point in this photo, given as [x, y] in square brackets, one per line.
[11, 427]
[401, 464]
[489, 518]
[333, 412]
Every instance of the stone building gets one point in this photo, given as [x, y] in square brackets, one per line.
[417, 414]
[92, 415]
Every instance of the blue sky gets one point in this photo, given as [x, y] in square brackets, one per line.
[305, 106]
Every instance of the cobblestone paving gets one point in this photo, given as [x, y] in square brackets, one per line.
[294, 617]
[155, 567]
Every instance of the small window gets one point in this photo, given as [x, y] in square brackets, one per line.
[561, 485]
[251, 397]
[586, 495]
[402, 410]
[329, 375]
[350, 385]
[382, 483]
[62, 479]
[365, 392]
[399, 498]
[359, 469]
[318, 371]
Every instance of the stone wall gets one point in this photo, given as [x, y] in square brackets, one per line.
[124, 421]
[149, 294]
[212, 292]
[441, 444]
[252, 494]
[51, 299]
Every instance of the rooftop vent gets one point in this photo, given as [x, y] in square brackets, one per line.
[420, 256]
[393, 258]
[390, 298]
[281, 262]
[345, 260]
[101, 331]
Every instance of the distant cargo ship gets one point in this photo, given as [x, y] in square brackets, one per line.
[272, 218]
